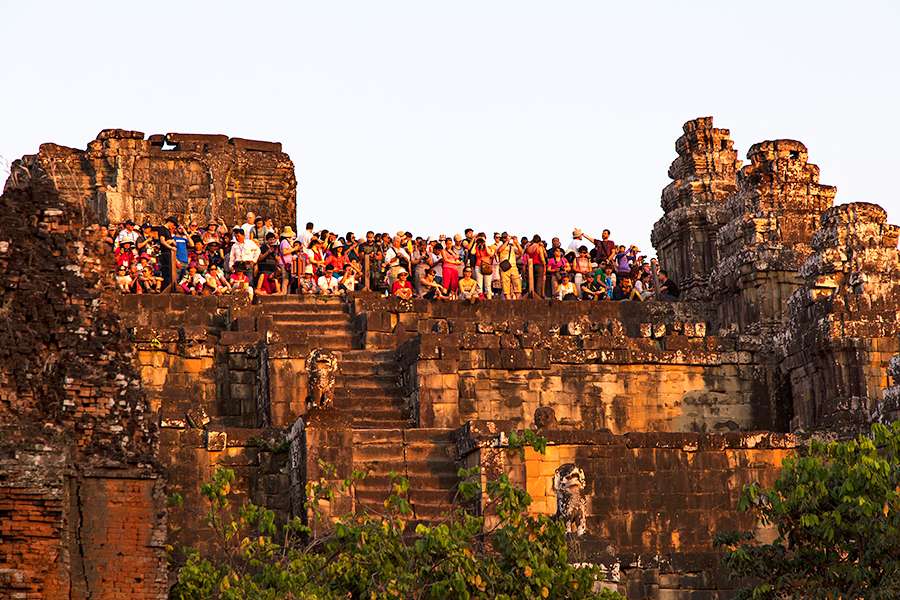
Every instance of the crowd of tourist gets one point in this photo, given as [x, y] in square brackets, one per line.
[258, 258]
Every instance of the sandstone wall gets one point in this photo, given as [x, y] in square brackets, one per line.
[654, 500]
[617, 366]
[201, 384]
[121, 175]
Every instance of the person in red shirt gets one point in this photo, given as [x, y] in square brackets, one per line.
[538, 255]
[604, 248]
[268, 284]
[402, 287]
[125, 254]
[337, 259]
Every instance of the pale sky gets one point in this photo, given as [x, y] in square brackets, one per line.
[531, 117]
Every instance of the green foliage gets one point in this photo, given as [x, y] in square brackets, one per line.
[836, 512]
[528, 438]
[378, 556]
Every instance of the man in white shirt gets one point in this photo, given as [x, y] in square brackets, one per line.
[249, 225]
[577, 242]
[128, 234]
[394, 259]
[329, 285]
[243, 250]
[306, 236]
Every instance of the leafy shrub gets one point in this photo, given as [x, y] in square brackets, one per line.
[375, 556]
[836, 511]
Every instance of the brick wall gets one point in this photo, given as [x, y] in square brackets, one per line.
[119, 537]
[70, 403]
[33, 512]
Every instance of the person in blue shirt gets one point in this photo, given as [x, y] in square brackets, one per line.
[183, 245]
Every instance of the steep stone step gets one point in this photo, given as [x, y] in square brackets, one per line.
[365, 356]
[380, 481]
[377, 418]
[343, 341]
[307, 310]
[373, 415]
[358, 387]
[360, 370]
[378, 422]
[301, 300]
[386, 383]
[432, 454]
[318, 319]
[323, 329]
[378, 437]
[424, 456]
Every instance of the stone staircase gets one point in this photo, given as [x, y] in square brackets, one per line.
[325, 321]
[368, 381]
[426, 457]
[368, 387]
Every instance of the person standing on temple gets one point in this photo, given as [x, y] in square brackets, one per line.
[167, 250]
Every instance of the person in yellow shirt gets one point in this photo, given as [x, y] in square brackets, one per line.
[468, 287]
[507, 254]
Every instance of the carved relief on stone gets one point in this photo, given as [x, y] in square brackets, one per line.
[569, 484]
[321, 367]
[544, 417]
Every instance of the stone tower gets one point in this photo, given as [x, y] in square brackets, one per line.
[844, 327]
[771, 221]
[703, 176]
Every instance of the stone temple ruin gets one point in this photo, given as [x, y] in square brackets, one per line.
[656, 413]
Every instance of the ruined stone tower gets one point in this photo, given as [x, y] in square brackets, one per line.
[771, 221]
[122, 176]
[703, 176]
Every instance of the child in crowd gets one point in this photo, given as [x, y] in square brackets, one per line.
[307, 285]
[192, 282]
[566, 289]
[216, 283]
[239, 281]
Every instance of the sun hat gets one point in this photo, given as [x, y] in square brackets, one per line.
[577, 232]
[287, 231]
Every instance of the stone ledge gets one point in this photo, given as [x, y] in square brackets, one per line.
[485, 433]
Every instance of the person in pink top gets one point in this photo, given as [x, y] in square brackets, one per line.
[556, 266]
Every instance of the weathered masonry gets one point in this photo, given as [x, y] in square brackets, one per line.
[660, 412]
